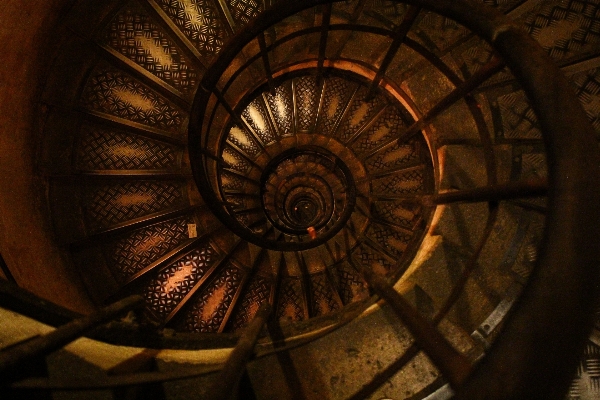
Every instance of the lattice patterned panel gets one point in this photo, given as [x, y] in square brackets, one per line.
[586, 384]
[104, 149]
[281, 106]
[438, 33]
[172, 284]
[350, 284]
[388, 125]
[394, 212]
[291, 303]
[244, 10]
[257, 293]
[394, 156]
[133, 34]
[371, 258]
[142, 247]
[307, 102]
[109, 205]
[361, 111]
[231, 182]
[388, 10]
[257, 117]
[322, 295]
[336, 96]
[401, 183]
[588, 91]
[567, 28]
[518, 118]
[390, 239]
[210, 306]
[199, 21]
[112, 92]
[235, 161]
[244, 141]
[533, 165]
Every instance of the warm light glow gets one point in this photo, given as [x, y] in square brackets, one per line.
[257, 118]
[133, 99]
[195, 19]
[380, 133]
[178, 277]
[237, 135]
[213, 303]
[399, 154]
[158, 52]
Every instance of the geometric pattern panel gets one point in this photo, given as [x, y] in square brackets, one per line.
[395, 212]
[243, 141]
[173, 283]
[504, 5]
[586, 384]
[231, 182]
[244, 10]
[401, 183]
[142, 247]
[350, 284]
[133, 34]
[588, 90]
[438, 33]
[199, 21]
[567, 29]
[371, 258]
[281, 106]
[322, 295]
[361, 110]
[234, 159]
[257, 293]
[390, 239]
[110, 91]
[390, 11]
[387, 126]
[210, 307]
[291, 303]
[111, 204]
[394, 156]
[336, 97]
[257, 117]
[104, 149]
[306, 102]
[518, 118]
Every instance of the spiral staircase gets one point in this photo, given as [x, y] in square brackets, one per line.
[217, 156]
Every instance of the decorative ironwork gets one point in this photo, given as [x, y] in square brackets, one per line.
[407, 182]
[392, 240]
[395, 212]
[133, 34]
[244, 10]
[254, 296]
[281, 106]
[518, 118]
[199, 21]
[566, 28]
[115, 203]
[257, 117]
[385, 127]
[142, 247]
[104, 149]
[588, 92]
[210, 307]
[307, 102]
[322, 295]
[243, 140]
[337, 94]
[350, 284]
[372, 259]
[166, 291]
[291, 302]
[361, 110]
[234, 160]
[111, 91]
[395, 156]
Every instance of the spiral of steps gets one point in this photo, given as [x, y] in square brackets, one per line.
[311, 155]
